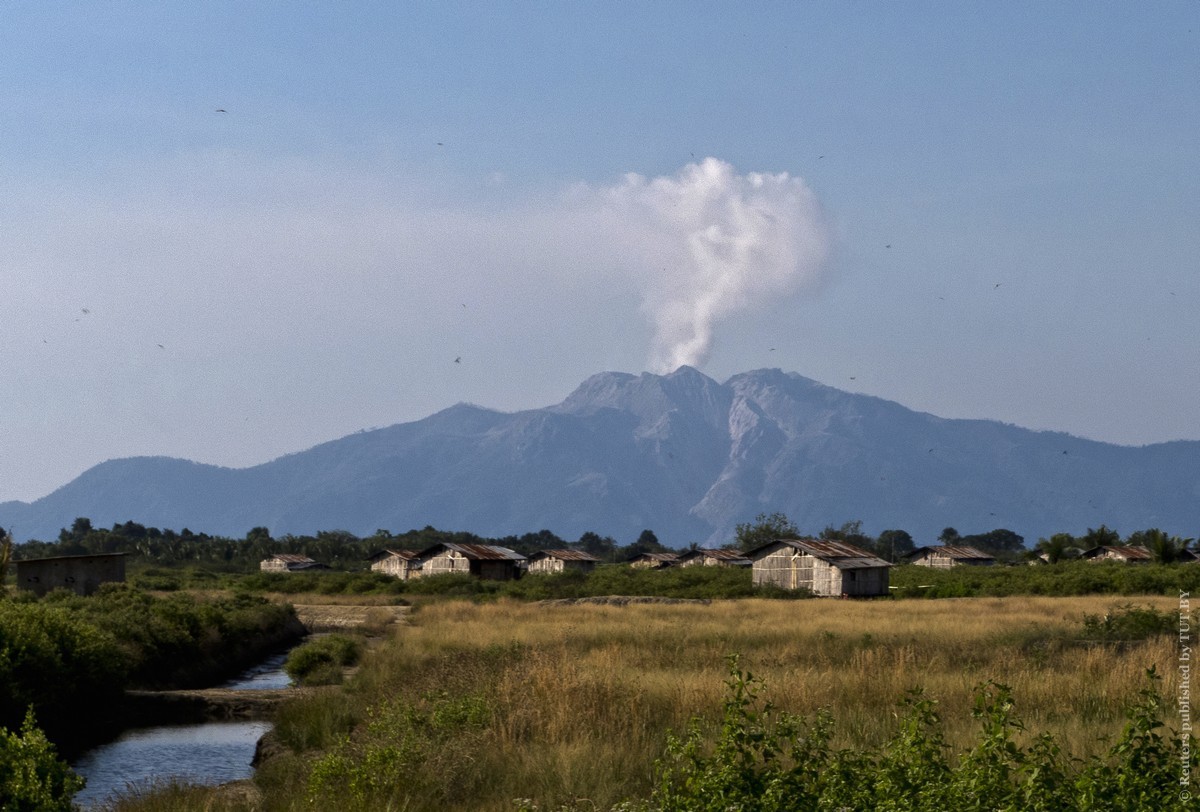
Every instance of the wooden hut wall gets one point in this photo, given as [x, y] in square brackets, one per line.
[547, 564]
[447, 561]
[395, 566]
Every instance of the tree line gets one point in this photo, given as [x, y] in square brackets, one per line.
[344, 550]
[337, 548]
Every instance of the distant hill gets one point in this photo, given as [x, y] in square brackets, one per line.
[681, 454]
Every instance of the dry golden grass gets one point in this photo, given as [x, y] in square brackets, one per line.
[582, 695]
[579, 698]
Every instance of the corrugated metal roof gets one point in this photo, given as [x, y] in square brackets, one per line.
[656, 557]
[956, 551]
[407, 555]
[477, 552]
[719, 555]
[839, 553]
[565, 555]
[1132, 553]
[292, 558]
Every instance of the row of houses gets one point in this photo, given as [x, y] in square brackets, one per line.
[825, 567]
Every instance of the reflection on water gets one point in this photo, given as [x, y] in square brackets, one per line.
[268, 674]
[206, 754]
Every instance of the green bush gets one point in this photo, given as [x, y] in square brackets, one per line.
[769, 761]
[55, 661]
[32, 777]
[1129, 622]
[320, 661]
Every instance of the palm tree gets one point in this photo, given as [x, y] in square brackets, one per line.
[1165, 549]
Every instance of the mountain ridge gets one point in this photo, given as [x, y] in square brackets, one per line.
[680, 454]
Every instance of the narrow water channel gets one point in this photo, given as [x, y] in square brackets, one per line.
[207, 754]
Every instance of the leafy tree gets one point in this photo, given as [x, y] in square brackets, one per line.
[851, 533]
[949, 536]
[765, 529]
[647, 542]
[999, 542]
[600, 546]
[1057, 547]
[893, 545]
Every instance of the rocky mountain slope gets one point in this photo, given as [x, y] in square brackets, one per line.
[681, 454]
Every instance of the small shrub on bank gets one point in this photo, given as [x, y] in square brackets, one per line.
[320, 661]
[32, 777]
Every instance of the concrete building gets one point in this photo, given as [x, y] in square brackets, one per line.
[82, 574]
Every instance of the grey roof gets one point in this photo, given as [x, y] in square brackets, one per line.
[958, 552]
[838, 553]
[407, 555]
[475, 552]
[564, 555]
[291, 558]
[666, 558]
[731, 556]
[1133, 553]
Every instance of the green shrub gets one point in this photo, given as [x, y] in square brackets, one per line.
[55, 661]
[1129, 622]
[320, 661]
[32, 777]
[768, 761]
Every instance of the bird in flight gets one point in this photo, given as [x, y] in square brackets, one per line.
[84, 310]
[458, 360]
[221, 110]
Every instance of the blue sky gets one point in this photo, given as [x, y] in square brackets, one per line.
[976, 210]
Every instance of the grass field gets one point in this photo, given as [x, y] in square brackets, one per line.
[472, 706]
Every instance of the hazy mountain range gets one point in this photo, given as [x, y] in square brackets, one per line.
[680, 454]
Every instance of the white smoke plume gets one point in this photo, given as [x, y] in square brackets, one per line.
[714, 243]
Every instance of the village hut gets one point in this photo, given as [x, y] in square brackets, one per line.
[713, 558]
[81, 574]
[950, 555]
[1123, 554]
[486, 561]
[290, 562]
[400, 564]
[548, 561]
[653, 561]
[826, 568]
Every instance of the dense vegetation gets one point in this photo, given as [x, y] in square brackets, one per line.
[336, 548]
[70, 657]
[1065, 579]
